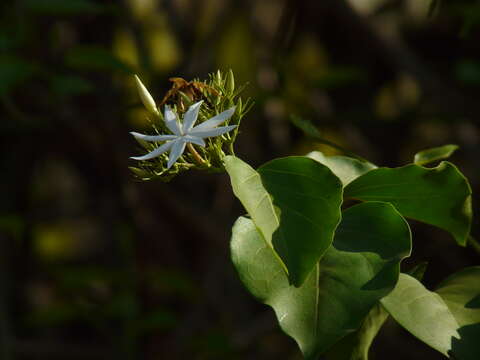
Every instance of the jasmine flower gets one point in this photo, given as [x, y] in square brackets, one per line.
[185, 133]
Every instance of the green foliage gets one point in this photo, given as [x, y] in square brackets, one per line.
[337, 306]
[461, 293]
[423, 313]
[360, 267]
[418, 271]
[410, 188]
[430, 155]
[448, 319]
[356, 346]
[346, 168]
[288, 199]
[42, 122]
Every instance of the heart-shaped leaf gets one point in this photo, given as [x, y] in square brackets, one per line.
[423, 313]
[360, 267]
[461, 293]
[439, 196]
[295, 203]
[346, 168]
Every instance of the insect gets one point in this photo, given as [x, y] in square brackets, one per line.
[192, 89]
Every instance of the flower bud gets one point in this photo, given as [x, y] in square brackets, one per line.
[145, 96]
[239, 106]
[230, 82]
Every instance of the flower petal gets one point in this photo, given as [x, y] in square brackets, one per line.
[194, 140]
[153, 137]
[216, 120]
[211, 132]
[170, 118]
[177, 150]
[157, 152]
[191, 116]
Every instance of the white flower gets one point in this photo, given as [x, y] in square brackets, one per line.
[185, 133]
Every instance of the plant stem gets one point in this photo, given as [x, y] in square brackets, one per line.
[195, 154]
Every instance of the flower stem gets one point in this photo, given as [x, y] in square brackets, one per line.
[195, 154]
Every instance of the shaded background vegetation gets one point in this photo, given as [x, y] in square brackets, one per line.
[94, 265]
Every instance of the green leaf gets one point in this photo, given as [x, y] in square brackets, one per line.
[418, 271]
[356, 346]
[461, 293]
[307, 127]
[346, 168]
[434, 154]
[295, 203]
[248, 188]
[360, 267]
[439, 196]
[423, 313]
[307, 196]
[96, 58]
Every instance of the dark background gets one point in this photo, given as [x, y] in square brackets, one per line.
[96, 265]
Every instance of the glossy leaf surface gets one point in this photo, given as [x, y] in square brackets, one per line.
[439, 196]
[295, 203]
[346, 168]
[423, 313]
[360, 267]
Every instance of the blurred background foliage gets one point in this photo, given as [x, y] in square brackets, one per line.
[94, 265]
